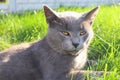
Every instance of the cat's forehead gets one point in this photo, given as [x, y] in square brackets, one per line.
[72, 19]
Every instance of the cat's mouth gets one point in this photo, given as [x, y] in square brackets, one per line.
[74, 52]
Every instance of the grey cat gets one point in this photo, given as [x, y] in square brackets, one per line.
[63, 50]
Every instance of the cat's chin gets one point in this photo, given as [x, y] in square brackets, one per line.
[74, 52]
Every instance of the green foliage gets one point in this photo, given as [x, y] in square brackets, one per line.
[105, 47]
[17, 28]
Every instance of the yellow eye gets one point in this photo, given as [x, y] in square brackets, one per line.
[65, 33]
[82, 33]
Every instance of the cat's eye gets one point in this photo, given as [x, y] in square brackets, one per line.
[65, 33]
[82, 33]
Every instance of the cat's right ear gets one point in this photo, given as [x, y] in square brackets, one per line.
[50, 14]
[91, 15]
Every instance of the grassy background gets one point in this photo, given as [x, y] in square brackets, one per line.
[105, 47]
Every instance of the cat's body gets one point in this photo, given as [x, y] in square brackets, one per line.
[62, 50]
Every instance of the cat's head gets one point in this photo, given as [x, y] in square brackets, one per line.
[69, 32]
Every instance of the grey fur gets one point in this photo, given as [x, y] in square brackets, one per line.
[55, 56]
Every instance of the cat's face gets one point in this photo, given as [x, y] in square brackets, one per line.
[69, 32]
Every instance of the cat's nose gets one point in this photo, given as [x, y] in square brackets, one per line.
[75, 44]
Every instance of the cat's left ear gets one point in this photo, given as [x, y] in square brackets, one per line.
[91, 15]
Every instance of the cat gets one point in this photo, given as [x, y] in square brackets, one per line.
[63, 49]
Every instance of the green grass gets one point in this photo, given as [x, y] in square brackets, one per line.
[105, 47]
[17, 28]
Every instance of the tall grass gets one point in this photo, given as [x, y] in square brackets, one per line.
[17, 28]
[105, 47]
